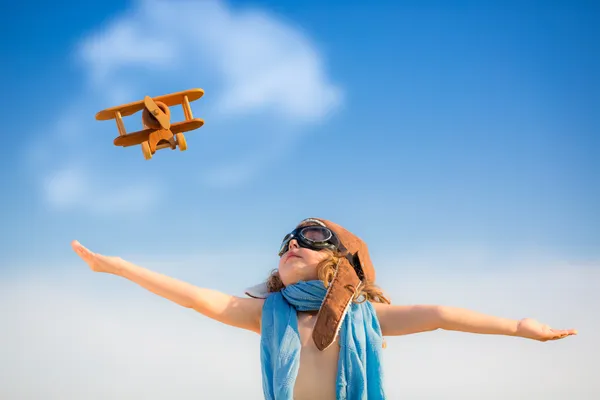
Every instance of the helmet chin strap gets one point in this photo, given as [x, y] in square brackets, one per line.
[340, 293]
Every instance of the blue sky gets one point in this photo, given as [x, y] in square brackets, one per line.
[459, 124]
[449, 137]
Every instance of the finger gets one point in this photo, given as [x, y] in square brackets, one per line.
[81, 250]
[564, 332]
[79, 247]
[561, 335]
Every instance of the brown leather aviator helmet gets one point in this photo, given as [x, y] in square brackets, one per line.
[354, 267]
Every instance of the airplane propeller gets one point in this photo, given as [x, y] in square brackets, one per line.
[156, 112]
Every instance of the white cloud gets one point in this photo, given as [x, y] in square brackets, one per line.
[75, 188]
[121, 45]
[262, 62]
[98, 337]
[66, 187]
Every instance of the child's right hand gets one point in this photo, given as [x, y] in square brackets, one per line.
[98, 262]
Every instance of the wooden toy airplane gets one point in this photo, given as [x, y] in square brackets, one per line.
[159, 132]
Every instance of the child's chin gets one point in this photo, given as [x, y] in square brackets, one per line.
[288, 280]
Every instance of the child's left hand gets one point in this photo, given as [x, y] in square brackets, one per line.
[532, 329]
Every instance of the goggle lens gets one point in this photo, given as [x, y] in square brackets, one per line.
[316, 233]
[315, 237]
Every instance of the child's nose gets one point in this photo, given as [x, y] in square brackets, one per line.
[294, 244]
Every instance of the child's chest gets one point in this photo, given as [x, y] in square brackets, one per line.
[306, 325]
[318, 369]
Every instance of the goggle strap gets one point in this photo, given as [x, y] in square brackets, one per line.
[316, 221]
[354, 260]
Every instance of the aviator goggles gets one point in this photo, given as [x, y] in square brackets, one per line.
[311, 237]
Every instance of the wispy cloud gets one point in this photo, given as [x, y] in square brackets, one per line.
[256, 68]
[262, 63]
[76, 188]
[96, 336]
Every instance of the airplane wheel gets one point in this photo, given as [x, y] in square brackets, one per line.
[146, 150]
[181, 141]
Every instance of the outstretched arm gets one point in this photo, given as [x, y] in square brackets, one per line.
[403, 320]
[240, 312]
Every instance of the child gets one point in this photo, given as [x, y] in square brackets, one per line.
[320, 316]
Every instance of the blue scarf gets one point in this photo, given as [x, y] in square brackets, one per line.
[360, 374]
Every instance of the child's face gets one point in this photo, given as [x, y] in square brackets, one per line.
[299, 264]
